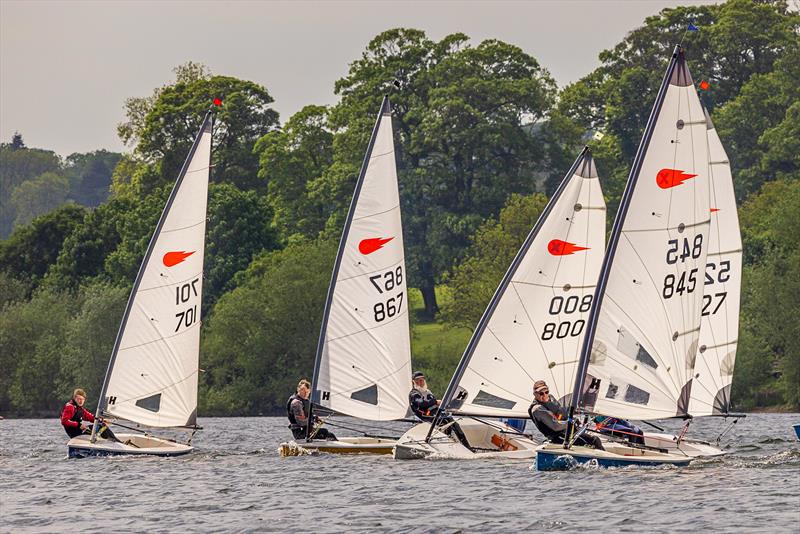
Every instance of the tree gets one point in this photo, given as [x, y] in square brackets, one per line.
[90, 176]
[462, 143]
[28, 253]
[83, 254]
[165, 126]
[759, 126]
[290, 160]
[31, 335]
[38, 196]
[262, 335]
[239, 227]
[768, 360]
[17, 165]
[474, 280]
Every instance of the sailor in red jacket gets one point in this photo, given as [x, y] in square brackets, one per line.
[74, 418]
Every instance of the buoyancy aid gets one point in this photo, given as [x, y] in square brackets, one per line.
[290, 415]
[77, 415]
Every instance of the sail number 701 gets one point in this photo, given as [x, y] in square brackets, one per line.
[183, 293]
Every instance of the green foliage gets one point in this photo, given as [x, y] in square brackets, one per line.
[165, 126]
[17, 165]
[90, 176]
[38, 196]
[29, 252]
[768, 361]
[261, 337]
[290, 160]
[31, 333]
[474, 280]
[239, 227]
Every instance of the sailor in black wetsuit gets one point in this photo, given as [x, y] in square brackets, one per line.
[425, 406]
[551, 419]
[298, 408]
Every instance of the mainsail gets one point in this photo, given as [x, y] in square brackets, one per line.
[152, 375]
[711, 390]
[644, 327]
[363, 365]
[534, 324]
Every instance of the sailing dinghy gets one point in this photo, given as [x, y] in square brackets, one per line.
[363, 361]
[152, 375]
[719, 327]
[638, 357]
[531, 329]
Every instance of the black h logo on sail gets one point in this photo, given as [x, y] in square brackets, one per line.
[112, 400]
[326, 395]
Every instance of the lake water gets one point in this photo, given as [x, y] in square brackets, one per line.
[235, 481]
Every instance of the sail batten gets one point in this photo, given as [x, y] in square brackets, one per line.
[533, 325]
[638, 356]
[152, 374]
[363, 363]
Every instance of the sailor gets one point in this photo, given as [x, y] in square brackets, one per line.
[551, 418]
[620, 428]
[74, 418]
[298, 408]
[425, 406]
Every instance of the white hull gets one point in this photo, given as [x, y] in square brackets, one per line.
[346, 445]
[494, 440]
[128, 444]
[689, 447]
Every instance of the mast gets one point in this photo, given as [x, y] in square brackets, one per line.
[207, 125]
[588, 340]
[315, 393]
[487, 315]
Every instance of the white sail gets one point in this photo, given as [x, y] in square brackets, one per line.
[364, 360]
[722, 292]
[152, 378]
[535, 324]
[648, 318]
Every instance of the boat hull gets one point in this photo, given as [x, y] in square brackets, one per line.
[345, 445]
[495, 440]
[554, 457]
[128, 445]
[689, 447]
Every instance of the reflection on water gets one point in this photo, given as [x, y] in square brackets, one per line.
[236, 481]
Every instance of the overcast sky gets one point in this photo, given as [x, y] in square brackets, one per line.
[66, 68]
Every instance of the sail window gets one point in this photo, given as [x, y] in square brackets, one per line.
[636, 395]
[492, 401]
[151, 403]
[368, 395]
[612, 391]
[644, 357]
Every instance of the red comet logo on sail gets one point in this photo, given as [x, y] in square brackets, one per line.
[667, 178]
[714, 210]
[171, 259]
[371, 244]
[556, 247]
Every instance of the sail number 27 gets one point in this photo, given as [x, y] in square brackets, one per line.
[385, 282]
[183, 293]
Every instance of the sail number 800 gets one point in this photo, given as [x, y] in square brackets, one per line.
[562, 329]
